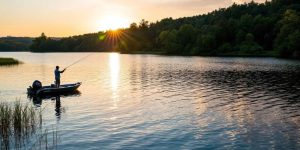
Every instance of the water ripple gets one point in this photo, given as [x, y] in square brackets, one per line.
[158, 102]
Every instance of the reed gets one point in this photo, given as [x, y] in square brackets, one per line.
[43, 141]
[18, 125]
[5, 126]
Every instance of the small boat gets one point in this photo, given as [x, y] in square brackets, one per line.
[47, 90]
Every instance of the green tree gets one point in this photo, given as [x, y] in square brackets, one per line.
[38, 43]
[144, 25]
[288, 25]
[225, 48]
[186, 37]
[133, 27]
[246, 22]
[294, 44]
[240, 36]
[249, 46]
[168, 40]
[206, 44]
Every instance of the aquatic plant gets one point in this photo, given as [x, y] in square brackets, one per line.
[8, 61]
[18, 126]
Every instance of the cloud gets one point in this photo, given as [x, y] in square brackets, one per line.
[158, 9]
[177, 8]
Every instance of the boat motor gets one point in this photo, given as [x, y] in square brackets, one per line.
[36, 85]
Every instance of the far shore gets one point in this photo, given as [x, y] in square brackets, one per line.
[264, 54]
[237, 54]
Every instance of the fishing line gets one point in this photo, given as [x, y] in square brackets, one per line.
[78, 61]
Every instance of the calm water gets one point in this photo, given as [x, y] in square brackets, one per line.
[158, 102]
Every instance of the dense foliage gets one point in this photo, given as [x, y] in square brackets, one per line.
[82, 43]
[267, 29]
[15, 43]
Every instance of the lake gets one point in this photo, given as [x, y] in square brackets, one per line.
[164, 102]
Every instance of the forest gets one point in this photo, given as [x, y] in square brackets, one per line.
[9, 44]
[250, 29]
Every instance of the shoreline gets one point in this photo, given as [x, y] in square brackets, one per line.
[269, 54]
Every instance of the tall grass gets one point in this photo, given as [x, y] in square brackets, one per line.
[43, 141]
[5, 125]
[19, 124]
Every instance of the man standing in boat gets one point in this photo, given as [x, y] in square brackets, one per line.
[57, 76]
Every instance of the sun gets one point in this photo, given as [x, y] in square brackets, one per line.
[113, 22]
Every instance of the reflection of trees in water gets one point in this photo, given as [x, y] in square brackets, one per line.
[259, 103]
[229, 89]
[256, 99]
[275, 84]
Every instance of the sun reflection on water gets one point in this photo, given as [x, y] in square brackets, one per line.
[114, 66]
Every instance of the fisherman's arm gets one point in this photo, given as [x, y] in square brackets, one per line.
[62, 71]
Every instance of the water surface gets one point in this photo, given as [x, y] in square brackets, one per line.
[159, 102]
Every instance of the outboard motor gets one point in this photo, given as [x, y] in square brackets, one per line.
[36, 85]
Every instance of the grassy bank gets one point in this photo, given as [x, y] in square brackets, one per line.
[8, 61]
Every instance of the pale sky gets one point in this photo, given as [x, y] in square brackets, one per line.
[60, 18]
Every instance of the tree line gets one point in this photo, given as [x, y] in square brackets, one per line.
[270, 28]
[258, 29]
[15, 43]
[92, 42]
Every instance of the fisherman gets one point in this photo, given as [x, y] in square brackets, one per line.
[57, 76]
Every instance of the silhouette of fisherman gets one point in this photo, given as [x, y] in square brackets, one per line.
[57, 75]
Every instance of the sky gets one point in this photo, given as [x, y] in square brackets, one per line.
[60, 18]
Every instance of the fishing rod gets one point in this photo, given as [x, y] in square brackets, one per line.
[78, 61]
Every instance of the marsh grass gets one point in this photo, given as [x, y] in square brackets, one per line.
[8, 61]
[20, 124]
[5, 115]
[44, 141]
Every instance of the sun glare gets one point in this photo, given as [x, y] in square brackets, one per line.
[113, 23]
[114, 65]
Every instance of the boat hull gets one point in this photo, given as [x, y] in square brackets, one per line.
[47, 90]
